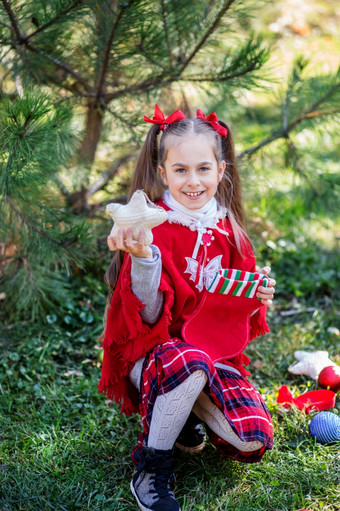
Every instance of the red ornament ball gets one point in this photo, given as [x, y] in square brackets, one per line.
[330, 377]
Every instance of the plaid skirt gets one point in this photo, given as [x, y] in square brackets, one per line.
[168, 365]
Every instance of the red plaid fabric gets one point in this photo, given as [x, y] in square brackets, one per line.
[169, 364]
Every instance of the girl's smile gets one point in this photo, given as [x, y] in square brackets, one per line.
[191, 171]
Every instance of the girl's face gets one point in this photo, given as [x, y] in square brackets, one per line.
[191, 171]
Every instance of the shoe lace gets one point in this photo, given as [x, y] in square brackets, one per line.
[161, 475]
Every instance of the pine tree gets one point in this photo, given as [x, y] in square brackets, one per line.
[109, 57]
[104, 59]
[107, 62]
[39, 236]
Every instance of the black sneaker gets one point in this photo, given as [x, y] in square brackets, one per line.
[192, 437]
[151, 483]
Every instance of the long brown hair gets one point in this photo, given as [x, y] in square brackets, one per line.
[146, 178]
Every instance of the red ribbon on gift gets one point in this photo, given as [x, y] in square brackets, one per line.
[163, 121]
[212, 119]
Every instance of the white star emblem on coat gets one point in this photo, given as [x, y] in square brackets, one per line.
[139, 213]
[207, 273]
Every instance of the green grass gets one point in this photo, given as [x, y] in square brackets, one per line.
[63, 447]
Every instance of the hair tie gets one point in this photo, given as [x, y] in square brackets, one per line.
[163, 122]
[213, 121]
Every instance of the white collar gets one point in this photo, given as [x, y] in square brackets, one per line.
[207, 216]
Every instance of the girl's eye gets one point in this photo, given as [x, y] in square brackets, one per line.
[180, 171]
[204, 169]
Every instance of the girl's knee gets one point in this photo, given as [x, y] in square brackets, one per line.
[197, 379]
[200, 375]
[251, 446]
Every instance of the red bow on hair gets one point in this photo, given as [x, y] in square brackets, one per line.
[159, 118]
[213, 121]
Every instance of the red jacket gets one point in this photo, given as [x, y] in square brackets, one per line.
[127, 338]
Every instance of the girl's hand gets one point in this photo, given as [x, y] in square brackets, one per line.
[125, 242]
[266, 293]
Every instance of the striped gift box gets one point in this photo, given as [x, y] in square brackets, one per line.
[237, 283]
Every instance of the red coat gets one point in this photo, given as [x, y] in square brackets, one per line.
[127, 338]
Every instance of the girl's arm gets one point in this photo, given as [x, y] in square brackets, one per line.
[145, 278]
[145, 271]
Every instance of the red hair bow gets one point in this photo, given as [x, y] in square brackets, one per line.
[159, 118]
[213, 121]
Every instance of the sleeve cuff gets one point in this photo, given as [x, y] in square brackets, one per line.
[144, 261]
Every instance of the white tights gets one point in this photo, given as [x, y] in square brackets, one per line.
[172, 409]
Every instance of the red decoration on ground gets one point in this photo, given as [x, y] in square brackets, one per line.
[330, 377]
[313, 400]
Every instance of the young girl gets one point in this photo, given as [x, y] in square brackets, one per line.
[172, 349]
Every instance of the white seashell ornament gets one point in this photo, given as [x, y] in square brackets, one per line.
[139, 213]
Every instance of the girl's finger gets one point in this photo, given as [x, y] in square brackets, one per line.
[141, 238]
[267, 302]
[129, 239]
[265, 295]
[266, 290]
[120, 239]
[111, 243]
[266, 270]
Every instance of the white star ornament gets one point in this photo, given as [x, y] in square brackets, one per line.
[310, 363]
[139, 213]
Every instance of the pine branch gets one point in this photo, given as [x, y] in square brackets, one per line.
[121, 199]
[292, 158]
[286, 109]
[15, 25]
[166, 31]
[278, 134]
[207, 34]
[161, 80]
[295, 78]
[218, 78]
[89, 92]
[179, 38]
[53, 20]
[325, 97]
[131, 126]
[30, 273]
[23, 131]
[31, 70]
[22, 40]
[61, 65]
[164, 79]
[105, 65]
[148, 57]
[5, 25]
[311, 113]
[63, 190]
[35, 229]
[106, 176]
[137, 87]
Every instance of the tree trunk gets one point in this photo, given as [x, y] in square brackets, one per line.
[78, 201]
[93, 130]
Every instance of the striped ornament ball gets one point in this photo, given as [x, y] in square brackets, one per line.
[325, 427]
